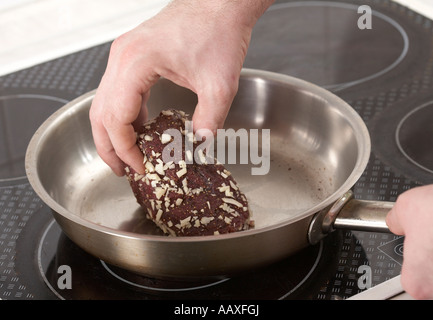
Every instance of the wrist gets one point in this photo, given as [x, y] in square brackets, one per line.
[241, 12]
[245, 12]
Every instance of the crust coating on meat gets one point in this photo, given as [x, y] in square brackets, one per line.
[185, 199]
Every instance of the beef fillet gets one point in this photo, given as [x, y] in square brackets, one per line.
[193, 199]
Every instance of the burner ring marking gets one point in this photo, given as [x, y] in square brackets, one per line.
[397, 135]
[159, 289]
[395, 24]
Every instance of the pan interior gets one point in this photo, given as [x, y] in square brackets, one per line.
[314, 149]
[291, 187]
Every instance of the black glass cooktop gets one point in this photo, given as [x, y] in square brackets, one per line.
[384, 72]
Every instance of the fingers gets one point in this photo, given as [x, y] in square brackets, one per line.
[416, 274]
[213, 105]
[105, 148]
[411, 207]
[138, 58]
[123, 138]
[143, 114]
[114, 133]
[412, 216]
[397, 216]
[112, 115]
[393, 222]
[119, 106]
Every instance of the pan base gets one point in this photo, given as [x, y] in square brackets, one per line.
[94, 279]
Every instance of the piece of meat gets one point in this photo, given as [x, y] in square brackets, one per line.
[185, 199]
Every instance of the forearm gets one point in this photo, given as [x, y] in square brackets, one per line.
[242, 12]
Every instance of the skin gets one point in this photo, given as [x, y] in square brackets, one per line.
[412, 216]
[201, 45]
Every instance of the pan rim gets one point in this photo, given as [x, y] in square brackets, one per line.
[360, 131]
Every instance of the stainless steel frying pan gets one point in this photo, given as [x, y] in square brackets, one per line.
[319, 149]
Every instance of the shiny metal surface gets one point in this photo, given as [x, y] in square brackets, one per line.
[319, 149]
[352, 214]
[364, 215]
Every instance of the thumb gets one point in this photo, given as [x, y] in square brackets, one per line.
[212, 108]
[393, 222]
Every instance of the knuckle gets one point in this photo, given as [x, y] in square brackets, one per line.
[404, 200]
[111, 120]
[124, 153]
[119, 43]
[93, 115]
[224, 91]
[123, 50]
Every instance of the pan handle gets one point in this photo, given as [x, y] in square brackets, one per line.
[352, 214]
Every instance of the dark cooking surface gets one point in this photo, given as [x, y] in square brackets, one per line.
[385, 73]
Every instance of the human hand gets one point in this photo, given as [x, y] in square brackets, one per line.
[412, 216]
[199, 45]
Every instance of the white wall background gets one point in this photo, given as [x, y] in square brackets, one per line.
[34, 31]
